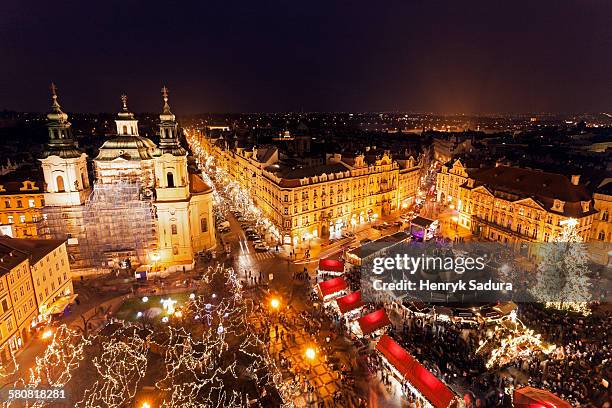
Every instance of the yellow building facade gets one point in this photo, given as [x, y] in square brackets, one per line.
[515, 205]
[20, 206]
[322, 200]
[601, 231]
[35, 276]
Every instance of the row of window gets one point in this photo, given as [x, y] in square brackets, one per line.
[19, 203]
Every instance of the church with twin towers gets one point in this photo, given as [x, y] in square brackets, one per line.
[144, 202]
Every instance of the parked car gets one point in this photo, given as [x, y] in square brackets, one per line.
[253, 237]
[224, 224]
[225, 230]
[348, 234]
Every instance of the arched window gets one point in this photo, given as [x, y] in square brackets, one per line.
[170, 179]
[125, 130]
[60, 184]
[604, 216]
[602, 236]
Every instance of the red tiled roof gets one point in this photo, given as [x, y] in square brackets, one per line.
[541, 186]
[529, 397]
[331, 265]
[350, 302]
[332, 286]
[198, 185]
[434, 390]
[373, 321]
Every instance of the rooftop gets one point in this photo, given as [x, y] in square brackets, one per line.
[35, 249]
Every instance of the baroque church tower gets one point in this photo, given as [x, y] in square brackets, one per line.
[183, 201]
[64, 165]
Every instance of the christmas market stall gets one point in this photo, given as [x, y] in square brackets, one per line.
[413, 378]
[423, 229]
[372, 323]
[350, 306]
[329, 267]
[332, 289]
[529, 397]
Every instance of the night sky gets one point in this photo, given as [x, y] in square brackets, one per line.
[262, 56]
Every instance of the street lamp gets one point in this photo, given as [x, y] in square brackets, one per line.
[275, 303]
[155, 257]
[310, 353]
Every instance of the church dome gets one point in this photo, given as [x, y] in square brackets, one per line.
[127, 147]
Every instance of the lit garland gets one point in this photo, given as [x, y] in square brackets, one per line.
[55, 368]
[519, 343]
[120, 368]
[212, 356]
[240, 197]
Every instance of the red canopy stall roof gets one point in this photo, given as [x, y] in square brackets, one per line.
[331, 286]
[373, 321]
[434, 390]
[331, 265]
[529, 397]
[350, 302]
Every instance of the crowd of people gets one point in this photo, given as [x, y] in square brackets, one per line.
[579, 369]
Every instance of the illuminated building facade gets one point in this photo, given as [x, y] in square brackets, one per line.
[601, 232]
[21, 200]
[34, 277]
[319, 200]
[514, 205]
[144, 205]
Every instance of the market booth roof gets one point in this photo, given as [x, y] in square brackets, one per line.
[331, 265]
[373, 321]
[61, 304]
[331, 286]
[529, 397]
[350, 302]
[430, 387]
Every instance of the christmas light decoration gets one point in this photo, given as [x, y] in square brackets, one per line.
[562, 282]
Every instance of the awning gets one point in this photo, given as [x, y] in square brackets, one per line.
[529, 397]
[331, 286]
[373, 321]
[350, 302]
[428, 385]
[331, 265]
[60, 304]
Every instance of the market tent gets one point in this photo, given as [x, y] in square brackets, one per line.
[350, 302]
[60, 304]
[427, 384]
[331, 265]
[331, 286]
[529, 397]
[373, 321]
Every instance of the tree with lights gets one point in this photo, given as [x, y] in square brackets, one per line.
[562, 282]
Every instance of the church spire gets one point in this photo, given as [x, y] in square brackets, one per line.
[168, 130]
[61, 143]
[166, 106]
[125, 113]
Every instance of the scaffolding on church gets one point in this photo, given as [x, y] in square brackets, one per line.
[117, 222]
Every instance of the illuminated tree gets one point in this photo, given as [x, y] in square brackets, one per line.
[562, 282]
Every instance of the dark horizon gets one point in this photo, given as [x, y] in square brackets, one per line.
[442, 58]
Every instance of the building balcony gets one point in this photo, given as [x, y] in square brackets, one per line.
[481, 220]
